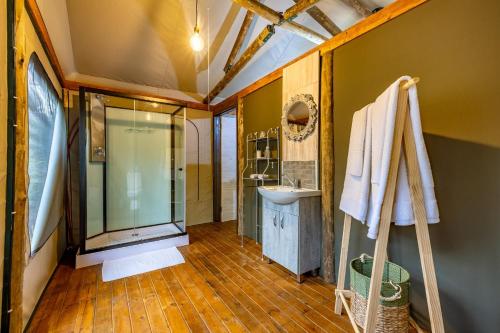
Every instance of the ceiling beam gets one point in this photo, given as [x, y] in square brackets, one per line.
[256, 7]
[245, 26]
[277, 19]
[299, 7]
[359, 7]
[323, 20]
[263, 37]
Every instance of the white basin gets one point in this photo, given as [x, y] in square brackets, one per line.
[286, 194]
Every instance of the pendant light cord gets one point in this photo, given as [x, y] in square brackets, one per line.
[196, 18]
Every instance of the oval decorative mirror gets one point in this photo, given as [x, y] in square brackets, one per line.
[299, 117]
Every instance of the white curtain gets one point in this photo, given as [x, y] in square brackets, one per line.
[47, 156]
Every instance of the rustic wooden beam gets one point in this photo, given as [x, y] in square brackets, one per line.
[388, 13]
[359, 7]
[304, 32]
[132, 93]
[299, 7]
[241, 163]
[239, 40]
[277, 19]
[263, 37]
[323, 20]
[327, 163]
[19, 232]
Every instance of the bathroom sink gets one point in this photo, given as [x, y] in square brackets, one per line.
[286, 194]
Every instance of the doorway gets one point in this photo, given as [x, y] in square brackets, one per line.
[226, 166]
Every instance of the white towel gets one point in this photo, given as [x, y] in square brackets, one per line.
[377, 150]
[357, 181]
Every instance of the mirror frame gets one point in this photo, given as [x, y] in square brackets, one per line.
[308, 100]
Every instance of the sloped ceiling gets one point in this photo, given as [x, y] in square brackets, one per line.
[146, 42]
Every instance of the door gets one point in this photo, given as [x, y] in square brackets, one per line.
[289, 241]
[270, 234]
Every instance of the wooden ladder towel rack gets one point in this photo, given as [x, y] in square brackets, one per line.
[403, 141]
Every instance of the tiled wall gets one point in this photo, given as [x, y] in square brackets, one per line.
[306, 171]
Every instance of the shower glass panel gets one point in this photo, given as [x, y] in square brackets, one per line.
[136, 177]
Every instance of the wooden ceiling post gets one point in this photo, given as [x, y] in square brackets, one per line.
[239, 40]
[323, 20]
[277, 19]
[263, 37]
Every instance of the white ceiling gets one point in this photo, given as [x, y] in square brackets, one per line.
[141, 43]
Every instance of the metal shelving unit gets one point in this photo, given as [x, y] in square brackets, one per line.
[263, 170]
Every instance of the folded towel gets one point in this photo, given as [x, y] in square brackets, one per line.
[358, 193]
[258, 176]
[357, 181]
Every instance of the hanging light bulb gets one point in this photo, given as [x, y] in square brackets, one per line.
[196, 40]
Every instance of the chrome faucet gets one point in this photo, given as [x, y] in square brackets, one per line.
[294, 181]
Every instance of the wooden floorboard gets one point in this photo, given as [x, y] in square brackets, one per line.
[222, 287]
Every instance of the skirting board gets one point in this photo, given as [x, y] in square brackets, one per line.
[95, 258]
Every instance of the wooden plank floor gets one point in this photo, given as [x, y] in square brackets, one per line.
[222, 287]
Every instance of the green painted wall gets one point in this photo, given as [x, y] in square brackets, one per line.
[453, 46]
[261, 111]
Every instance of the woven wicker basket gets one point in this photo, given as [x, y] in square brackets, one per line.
[393, 312]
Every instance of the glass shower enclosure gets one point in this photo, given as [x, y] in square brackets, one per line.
[133, 173]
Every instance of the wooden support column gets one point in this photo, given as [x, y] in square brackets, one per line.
[21, 170]
[263, 37]
[327, 175]
[241, 163]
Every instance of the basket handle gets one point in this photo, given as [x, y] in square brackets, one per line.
[394, 297]
[396, 287]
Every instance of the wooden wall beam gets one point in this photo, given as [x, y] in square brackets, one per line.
[241, 163]
[21, 171]
[277, 19]
[299, 7]
[239, 40]
[74, 85]
[263, 37]
[323, 20]
[327, 165]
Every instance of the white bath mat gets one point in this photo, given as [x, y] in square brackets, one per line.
[141, 263]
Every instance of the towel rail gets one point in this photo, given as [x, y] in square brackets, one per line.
[403, 143]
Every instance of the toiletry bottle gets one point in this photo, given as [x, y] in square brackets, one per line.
[267, 152]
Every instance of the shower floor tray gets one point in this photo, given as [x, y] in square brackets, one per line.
[131, 235]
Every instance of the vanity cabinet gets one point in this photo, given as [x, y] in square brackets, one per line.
[291, 234]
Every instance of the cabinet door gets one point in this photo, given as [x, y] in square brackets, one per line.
[289, 241]
[270, 233]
